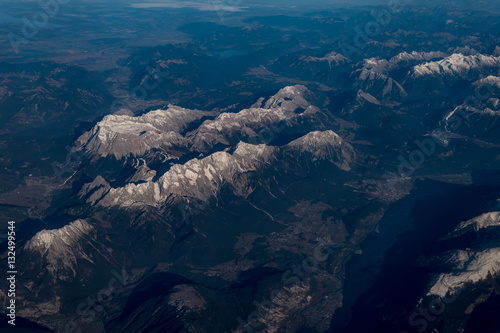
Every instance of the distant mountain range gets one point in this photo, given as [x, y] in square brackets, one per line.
[268, 182]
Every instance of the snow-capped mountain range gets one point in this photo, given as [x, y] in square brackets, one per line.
[468, 266]
[122, 136]
[61, 249]
[202, 177]
[457, 64]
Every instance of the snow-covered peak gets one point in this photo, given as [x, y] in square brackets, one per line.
[383, 66]
[44, 240]
[122, 135]
[481, 222]
[317, 139]
[405, 56]
[173, 119]
[282, 107]
[374, 75]
[325, 146]
[467, 267]
[491, 80]
[61, 248]
[456, 64]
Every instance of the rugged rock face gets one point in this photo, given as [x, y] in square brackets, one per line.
[481, 222]
[468, 268]
[373, 66]
[203, 178]
[288, 106]
[57, 257]
[122, 136]
[93, 191]
[200, 179]
[60, 249]
[481, 121]
[375, 75]
[324, 146]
